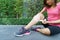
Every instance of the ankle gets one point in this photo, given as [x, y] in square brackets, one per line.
[38, 30]
[25, 28]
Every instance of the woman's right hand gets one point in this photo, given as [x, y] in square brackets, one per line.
[44, 21]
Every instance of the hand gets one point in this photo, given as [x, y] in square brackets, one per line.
[44, 21]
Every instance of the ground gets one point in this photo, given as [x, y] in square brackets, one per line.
[7, 33]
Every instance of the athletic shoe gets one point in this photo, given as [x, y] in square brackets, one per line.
[35, 28]
[22, 32]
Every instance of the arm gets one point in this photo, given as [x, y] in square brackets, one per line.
[39, 16]
[44, 9]
[57, 21]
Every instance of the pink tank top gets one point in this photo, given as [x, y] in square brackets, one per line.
[54, 14]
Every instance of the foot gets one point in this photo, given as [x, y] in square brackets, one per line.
[35, 29]
[22, 32]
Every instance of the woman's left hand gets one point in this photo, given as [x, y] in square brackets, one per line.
[44, 21]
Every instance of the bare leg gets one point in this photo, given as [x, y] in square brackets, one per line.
[45, 31]
[35, 19]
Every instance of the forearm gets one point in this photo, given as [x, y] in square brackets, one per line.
[57, 21]
[42, 11]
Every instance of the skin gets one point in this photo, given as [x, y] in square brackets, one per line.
[45, 31]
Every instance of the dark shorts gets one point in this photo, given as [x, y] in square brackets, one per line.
[53, 29]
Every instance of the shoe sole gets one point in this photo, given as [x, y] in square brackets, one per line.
[22, 34]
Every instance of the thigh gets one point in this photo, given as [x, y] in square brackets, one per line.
[45, 31]
[54, 30]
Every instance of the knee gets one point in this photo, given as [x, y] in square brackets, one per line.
[38, 17]
[45, 32]
[41, 16]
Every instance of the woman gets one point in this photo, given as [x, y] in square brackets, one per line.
[52, 24]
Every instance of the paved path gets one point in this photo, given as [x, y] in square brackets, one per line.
[7, 33]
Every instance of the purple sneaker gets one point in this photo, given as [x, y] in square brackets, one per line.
[35, 29]
[22, 32]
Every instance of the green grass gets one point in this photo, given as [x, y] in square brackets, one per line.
[19, 21]
[14, 21]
